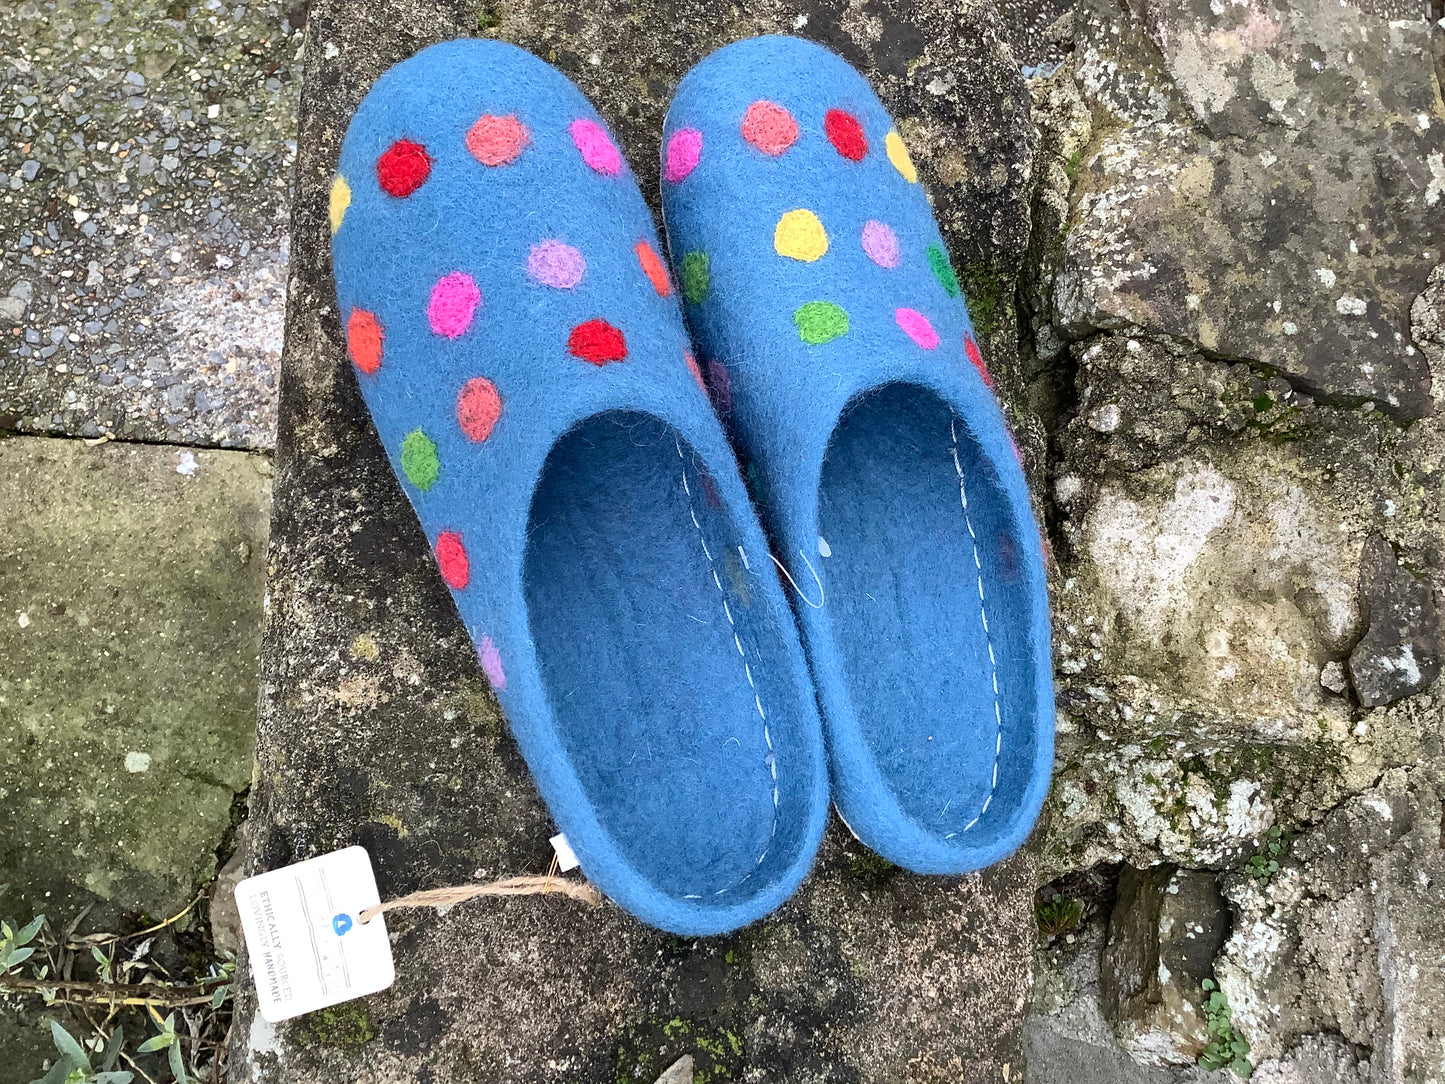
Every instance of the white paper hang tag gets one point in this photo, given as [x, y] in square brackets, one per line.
[307, 944]
[566, 856]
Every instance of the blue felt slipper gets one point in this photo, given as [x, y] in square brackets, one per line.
[839, 347]
[516, 338]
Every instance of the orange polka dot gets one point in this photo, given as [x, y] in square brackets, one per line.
[364, 339]
[496, 141]
[696, 372]
[653, 269]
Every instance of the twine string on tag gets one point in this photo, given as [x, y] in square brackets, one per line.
[510, 886]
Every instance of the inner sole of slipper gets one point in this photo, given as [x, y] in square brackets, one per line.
[928, 601]
[663, 662]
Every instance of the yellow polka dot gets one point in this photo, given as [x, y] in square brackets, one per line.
[800, 236]
[340, 200]
[898, 155]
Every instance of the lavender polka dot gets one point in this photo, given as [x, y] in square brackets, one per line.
[881, 244]
[557, 265]
[491, 660]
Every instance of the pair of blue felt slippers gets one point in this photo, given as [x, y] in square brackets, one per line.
[693, 664]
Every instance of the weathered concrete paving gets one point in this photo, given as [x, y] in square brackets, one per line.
[377, 727]
[145, 159]
[131, 583]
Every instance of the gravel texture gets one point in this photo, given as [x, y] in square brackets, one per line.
[145, 179]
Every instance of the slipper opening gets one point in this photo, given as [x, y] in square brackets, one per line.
[665, 665]
[930, 604]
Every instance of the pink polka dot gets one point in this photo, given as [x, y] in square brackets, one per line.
[881, 244]
[557, 265]
[491, 660]
[596, 146]
[452, 559]
[917, 327]
[684, 150]
[769, 127]
[453, 301]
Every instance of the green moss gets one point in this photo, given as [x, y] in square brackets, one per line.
[650, 1047]
[1057, 915]
[696, 276]
[871, 870]
[347, 1025]
[489, 17]
[820, 322]
[989, 294]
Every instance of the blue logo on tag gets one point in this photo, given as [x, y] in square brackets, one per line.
[341, 923]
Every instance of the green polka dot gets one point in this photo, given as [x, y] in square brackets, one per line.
[419, 460]
[820, 322]
[696, 276]
[942, 271]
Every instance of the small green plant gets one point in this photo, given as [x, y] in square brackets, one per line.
[1265, 865]
[488, 18]
[104, 964]
[168, 1041]
[226, 969]
[74, 1066]
[1072, 167]
[15, 944]
[1058, 915]
[1226, 1049]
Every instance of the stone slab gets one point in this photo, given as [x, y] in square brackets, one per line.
[377, 726]
[131, 583]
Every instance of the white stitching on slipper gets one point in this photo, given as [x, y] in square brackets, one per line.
[988, 637]
[770, 760]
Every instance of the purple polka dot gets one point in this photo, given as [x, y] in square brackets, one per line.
[917, 327]
[684, 150]
[557, 265]
[881, 244]
[453, 301]
[491, 660]
[596, 146]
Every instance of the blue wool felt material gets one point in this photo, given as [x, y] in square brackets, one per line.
[888, 478]
[617, 582]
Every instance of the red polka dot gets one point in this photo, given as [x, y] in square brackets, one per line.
[975, 355]
[495, 141]
[478, 408]
[597, 341]
[696, 372]
[363, 340]
[452, 560]
[846, 135]
[769, 127]
[653, 269]
[403, 168]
